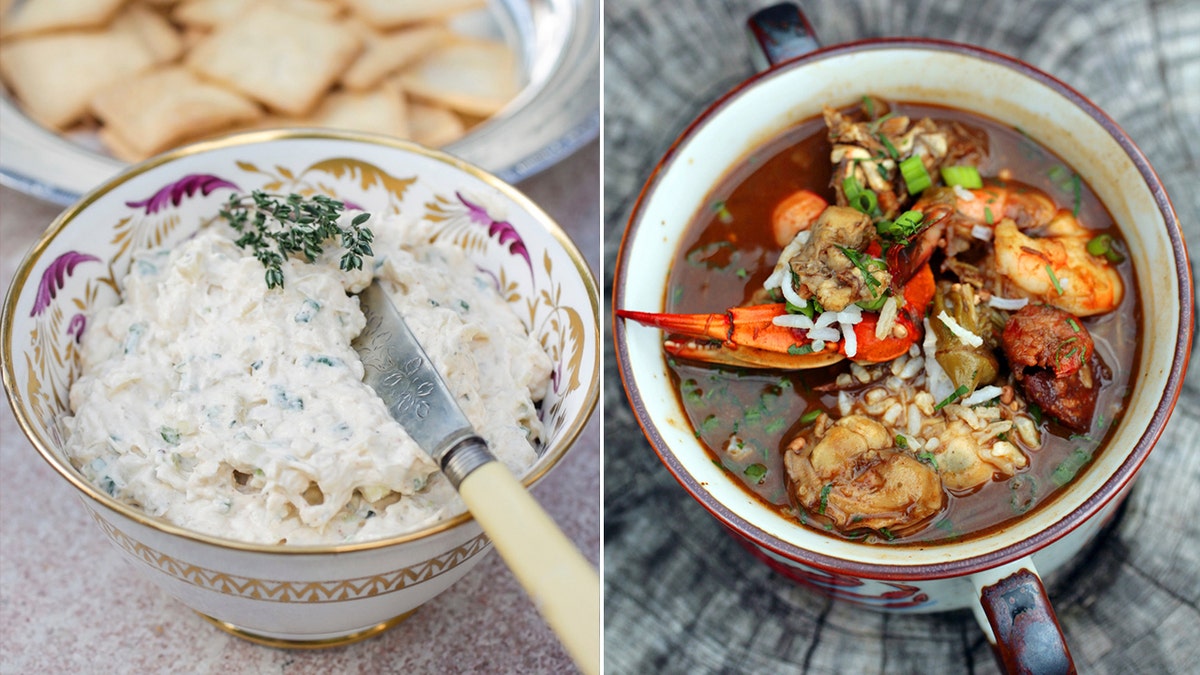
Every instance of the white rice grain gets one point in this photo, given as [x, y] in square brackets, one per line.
[982, 395]
[887, 318]
[961, 333]
[1010, 304]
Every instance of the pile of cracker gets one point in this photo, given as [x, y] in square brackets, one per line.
[148, 75]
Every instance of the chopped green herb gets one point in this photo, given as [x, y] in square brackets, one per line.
[800, 350]
[722, 212]
[1054, 279]
[825, 497]
[1035, 411]
[756, 473]
[928, 458]
[1073, 323]
[958, 393]
[987, 215]
[887, 533]
[169, 435]
[1065, 472]
[964, 175]
[901, 441]
[775, 426]
[810, 416]
[868, 104]
[888, 145]
[863, 263]
[274, 227]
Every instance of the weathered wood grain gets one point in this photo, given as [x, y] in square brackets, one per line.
[681, 596]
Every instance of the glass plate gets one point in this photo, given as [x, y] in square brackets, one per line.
[558, 110]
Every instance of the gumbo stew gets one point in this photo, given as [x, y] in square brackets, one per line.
[902, 323]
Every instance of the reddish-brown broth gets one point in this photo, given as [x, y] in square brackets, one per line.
[728, 252]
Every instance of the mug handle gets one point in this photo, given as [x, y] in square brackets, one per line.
[1015, 613]
[781, 32]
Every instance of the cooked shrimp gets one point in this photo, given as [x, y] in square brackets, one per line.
[795, 214]
[1057, 268]
[854, 476]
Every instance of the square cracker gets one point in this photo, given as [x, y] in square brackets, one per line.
[380, 111]
[56, 75]
[276, 56]
[433, 126]
[392, 13]
[212, 13]
[40, 16]
[474, 77]
[385, 54]
[158, 109]
[153, 29]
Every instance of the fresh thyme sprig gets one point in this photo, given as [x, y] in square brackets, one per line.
[275, 226]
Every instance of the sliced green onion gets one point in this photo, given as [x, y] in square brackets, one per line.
[1101, 245]
[901, 441]
[865, 201]
[904, 226]
[868, 104]
[958, 393]
[810, 416]
[825, 497]
[800, 350]
[1077, 191]
[1074, 324]
[987, 215]
[887, 533]
[851, 187]
[1054, 279]
[964, 175]
[915, 175]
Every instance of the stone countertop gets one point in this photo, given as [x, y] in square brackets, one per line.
[681, 596]
[69, 602]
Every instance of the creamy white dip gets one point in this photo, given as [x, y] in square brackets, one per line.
[237, 411]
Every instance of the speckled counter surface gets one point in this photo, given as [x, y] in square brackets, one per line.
[69, 603]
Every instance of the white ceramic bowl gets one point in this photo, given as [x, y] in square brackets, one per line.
[314, 595]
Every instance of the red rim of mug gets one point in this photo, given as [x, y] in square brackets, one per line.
[1113, 485]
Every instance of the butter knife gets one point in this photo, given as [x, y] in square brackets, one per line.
[564, 586]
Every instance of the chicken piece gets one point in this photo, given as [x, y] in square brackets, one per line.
[823, 269]
[853, 476]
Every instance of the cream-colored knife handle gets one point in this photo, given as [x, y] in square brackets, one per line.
[564, 586]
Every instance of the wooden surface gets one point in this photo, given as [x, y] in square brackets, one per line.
[681, 596]
[71, 603]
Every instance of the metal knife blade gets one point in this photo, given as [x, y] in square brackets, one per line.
[416, 396]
